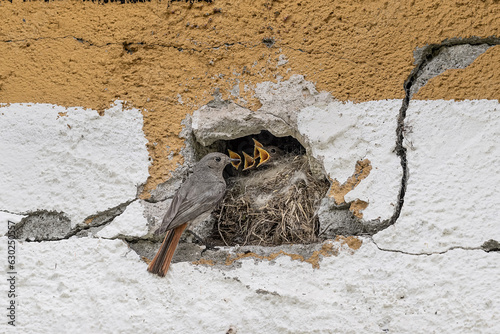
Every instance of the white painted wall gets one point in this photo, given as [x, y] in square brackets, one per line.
[130, 223]
[81, 163]
[97, 285]
[341, 133]
[453, 197]
[101, 286]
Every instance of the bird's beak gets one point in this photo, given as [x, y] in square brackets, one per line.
[264, 155]
[235, 159]
[255, 151]
[249, 161]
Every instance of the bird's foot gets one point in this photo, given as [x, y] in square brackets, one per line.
[208, 245]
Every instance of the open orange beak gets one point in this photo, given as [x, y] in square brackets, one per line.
[234, 155]
[255, 150]
[264, 156]
[249, 161]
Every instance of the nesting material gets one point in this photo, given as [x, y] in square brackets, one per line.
[274, 204]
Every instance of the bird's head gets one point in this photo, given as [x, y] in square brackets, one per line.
[215, 161]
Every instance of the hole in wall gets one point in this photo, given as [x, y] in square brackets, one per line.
[255, 208]
[270, 200]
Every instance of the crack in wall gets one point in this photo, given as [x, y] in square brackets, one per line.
[427, 54]
[45, 225]
[447, 57]
[101, 218]
[230, 257]
[127, 45]
[483, 247]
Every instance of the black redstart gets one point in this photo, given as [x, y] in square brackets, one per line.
[196, 198]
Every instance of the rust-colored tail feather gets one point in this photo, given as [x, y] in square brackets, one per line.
[162, 259]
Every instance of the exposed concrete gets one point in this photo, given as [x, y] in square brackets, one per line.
[479, 80]
[202, 228]
[491, 246]
[445, 58]
[5, 218]
[155, 211]
[280, 105]
[303, 250]
[43, 226]
[336, 220]
[168, 188]
[104, 217]
[224, 120]
[185, 252]
[227, 258]
[230, 257]
[227, 121]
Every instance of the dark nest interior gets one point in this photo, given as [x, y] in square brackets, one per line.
[273, 203]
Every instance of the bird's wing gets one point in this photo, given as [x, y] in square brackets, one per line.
[191, 200]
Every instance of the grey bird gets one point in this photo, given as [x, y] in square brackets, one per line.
[196, 198]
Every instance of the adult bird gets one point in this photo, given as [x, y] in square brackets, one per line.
[196, 198]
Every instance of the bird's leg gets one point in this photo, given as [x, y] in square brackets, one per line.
[208, 245]
[197, 237]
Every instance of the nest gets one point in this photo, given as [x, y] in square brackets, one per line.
[272, 206]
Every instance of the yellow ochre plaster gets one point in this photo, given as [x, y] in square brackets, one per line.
[168, 59]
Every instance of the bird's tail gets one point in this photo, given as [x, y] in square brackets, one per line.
[162, 259]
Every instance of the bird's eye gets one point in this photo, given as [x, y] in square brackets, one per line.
[273, 150]
[217, 159]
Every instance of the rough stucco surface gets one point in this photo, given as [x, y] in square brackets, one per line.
[101, 286]
[448, 285]
[480, 80]
[5, 217]
[335, 133]
[70, 160]
[130, 223]
[452, 193]
[342, 133]
[167, 59]
[333, 75]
